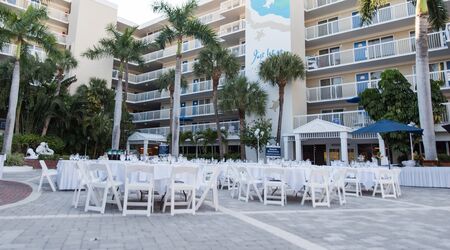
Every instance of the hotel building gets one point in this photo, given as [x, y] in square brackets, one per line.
[342, 58]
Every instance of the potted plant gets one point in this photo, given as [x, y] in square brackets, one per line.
[444, 160]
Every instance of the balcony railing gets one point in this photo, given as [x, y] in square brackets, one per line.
[383, 15]
[10, 50]
[315, 4]
[238, 50]
[374, 52]
[52, 12]
[151, 38]
[147, 96]
[232, 128]
[60, 38]
[352, 119]
[446, 116]
[232, 27]
[189, 111]
[231, 4]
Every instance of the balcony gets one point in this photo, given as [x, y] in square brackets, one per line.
[232, 128]
[231, 4]
[60, 38]
[436, 41]
[315, 4]
[352, 119]
[10, 50]
[232, 28]
[189, 111]
[52, 12]
[383, 15]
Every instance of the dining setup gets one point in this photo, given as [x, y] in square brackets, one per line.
[137, 187]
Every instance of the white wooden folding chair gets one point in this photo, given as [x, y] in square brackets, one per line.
[139, 178]
[352, 183]
[48, 174]
[210, 184]
[396, 172]
[385, 180]
[188, 186]
[82, 182]
[274, 183]
[337, 185]
[318, 184]
[100, 178]
[247, 181]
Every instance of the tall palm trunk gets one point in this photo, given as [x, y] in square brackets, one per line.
[117, 110]
[280, 114]
[18, 112]
[216, 116]
[12, 107]
[241, 130]
[171, 111]
[176, 104]
[423, 81]
[125, 95]
[58, 91]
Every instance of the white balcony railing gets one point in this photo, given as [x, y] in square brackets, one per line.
[315, 4]
[390, 49]
[238, 50]
[10, 50]
[189, 111]
[60, 38]
[151, 38]
[52, 12]
[352, 119]
[231, 4]
[231, 28]
[383, 15]
[446, 115]
[232, 128]
[147, 96]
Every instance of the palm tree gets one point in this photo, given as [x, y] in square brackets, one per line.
[64, 62]
[22, 28]
[245, 97]
[167, 82]
[122, 46]
[279, 70]
[431, 12]
[184, 137]
[183, 24]
[212, 63]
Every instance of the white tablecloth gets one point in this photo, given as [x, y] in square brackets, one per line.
[438, 177]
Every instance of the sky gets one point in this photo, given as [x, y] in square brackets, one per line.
[139, 11]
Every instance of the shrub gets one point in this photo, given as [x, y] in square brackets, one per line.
[444, 157]
[23, 141]
[14, 160]
[49, 157]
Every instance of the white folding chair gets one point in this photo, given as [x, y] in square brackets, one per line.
[318, 183]
[82, 183]
[139, 178]
[385, 179]
[247, 181]
[210, 184]
[47, 173]
[189, 185]
[397, 172]
[274, 182]
[352, 183]
[228, 180]
[337, 185]
[100, 178]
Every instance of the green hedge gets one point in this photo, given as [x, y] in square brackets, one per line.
[14, 160]
[21, 142]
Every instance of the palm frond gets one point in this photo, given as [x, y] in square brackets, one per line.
[166, 36]
[200, 31]
[438, 13]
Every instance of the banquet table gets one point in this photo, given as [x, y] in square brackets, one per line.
[437, 177]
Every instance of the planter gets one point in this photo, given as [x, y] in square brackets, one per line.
[51, 164]
[444, 163]
[430, 163]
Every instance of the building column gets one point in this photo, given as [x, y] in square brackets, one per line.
[384, 159]
[344, 146]
[128, 147]
[145, 147]
[286, 147]
[298, 148]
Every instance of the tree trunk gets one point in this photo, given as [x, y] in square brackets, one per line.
[117, 111]
[241, 130]
[216, 116]
[171, 115]
[125, 96]
[46, 125]
[57, 93]
[176, 106]
[280, 115]
[423, 81]
[18, 113]
[12, 108]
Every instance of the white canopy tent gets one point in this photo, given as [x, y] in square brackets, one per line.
[144, 139]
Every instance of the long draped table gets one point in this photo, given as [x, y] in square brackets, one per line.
[437, 177]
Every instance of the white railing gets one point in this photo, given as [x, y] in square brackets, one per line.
[60, 38]
[232, 128]
[383, 15]
[151, 38]
[147, 96]
[52, 12]
[446, 115]
[10, 50]
[233, 27]
[315, 4]
[374, 52]
[231, 4]
[238, 50]
[352, 119]
[163, 114]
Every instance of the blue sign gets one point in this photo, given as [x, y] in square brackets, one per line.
[163, 150]
[273, 152]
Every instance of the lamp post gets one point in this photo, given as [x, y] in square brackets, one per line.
[411, 124]
[258, 135]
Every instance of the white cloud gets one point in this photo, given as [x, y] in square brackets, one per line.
[139, 11]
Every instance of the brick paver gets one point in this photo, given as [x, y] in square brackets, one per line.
[11, 192]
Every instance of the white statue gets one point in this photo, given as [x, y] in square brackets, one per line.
[31, 154]
[43, 149]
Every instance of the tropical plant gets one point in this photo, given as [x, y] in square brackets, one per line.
[185, 137]
[209, 137]
[245, 97]
[21, 28]
[213, 62]
[183, 24]
[431, 12]
[248, 135]
[280, 69]
[123, 47]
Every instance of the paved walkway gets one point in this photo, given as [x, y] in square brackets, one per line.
[420, 219]
[12, 192]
